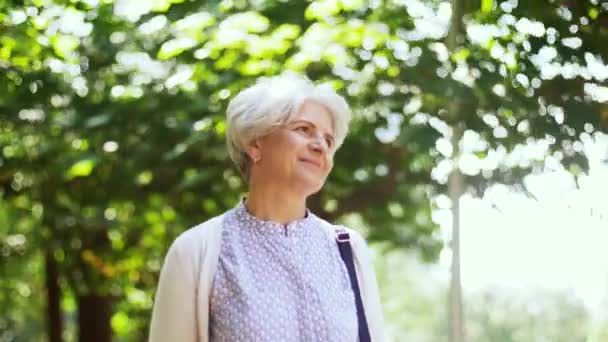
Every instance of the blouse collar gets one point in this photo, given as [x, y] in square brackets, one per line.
[267, 226]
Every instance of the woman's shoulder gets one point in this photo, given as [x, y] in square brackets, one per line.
[357, 240]
[199, 235]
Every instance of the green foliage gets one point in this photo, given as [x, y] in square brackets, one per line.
[21, 274]
[112, 125]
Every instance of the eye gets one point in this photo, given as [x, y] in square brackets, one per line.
[303, 129]
[330, 142]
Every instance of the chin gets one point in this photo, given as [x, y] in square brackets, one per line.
[314, 188]
[309, 187]
[311, 192]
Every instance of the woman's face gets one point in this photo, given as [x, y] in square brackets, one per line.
[300, 154]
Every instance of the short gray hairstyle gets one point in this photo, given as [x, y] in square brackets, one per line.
[272, 102]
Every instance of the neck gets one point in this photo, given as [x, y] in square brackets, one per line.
[271, 202]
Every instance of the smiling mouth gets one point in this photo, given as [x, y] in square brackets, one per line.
[313, 163]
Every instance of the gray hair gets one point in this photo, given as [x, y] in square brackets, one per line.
[272, 102]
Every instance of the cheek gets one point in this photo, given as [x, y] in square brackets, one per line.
[293, 146]
[281, 153]
[330, 165]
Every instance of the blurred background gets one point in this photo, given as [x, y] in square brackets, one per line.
[476, 165]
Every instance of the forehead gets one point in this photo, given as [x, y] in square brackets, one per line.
[316, 114]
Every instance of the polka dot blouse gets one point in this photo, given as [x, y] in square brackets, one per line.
[279, 282]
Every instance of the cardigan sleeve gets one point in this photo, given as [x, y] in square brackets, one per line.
[174, 313]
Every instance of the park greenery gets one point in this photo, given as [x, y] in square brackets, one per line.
[112, 140]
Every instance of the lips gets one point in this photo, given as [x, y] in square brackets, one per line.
[311, 161]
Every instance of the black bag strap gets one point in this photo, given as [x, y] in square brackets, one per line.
[346, 252]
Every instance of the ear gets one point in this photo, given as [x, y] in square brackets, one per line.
[254, 150]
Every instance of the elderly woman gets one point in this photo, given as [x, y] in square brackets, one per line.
[269, 269]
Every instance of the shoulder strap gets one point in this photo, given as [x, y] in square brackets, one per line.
[346, 252]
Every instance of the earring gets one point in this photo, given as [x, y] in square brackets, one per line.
[255, 158]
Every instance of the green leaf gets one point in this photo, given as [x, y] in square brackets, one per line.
[461, 55]
[255, 67]
[120, 323]
[97, 120]
[164, 5]
[322, 9]
[82, 168]
[144, 178]
[486, 6]
[593, 13]
[195, 22]
[352, 5]
[286, 31]
[7, 45]
[63, 45]
[250, 21]
[175, 47]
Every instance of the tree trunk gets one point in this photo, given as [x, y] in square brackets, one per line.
[55, 326]
[456, 182]
[94, 314]
[455, 190]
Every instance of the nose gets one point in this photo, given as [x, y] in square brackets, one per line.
[319, 145]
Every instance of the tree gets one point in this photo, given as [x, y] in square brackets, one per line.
[113, 118]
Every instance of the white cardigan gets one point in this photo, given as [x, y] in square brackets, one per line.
[181, 306]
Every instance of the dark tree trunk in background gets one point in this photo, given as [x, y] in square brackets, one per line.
[55, 326]
[94, 314]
